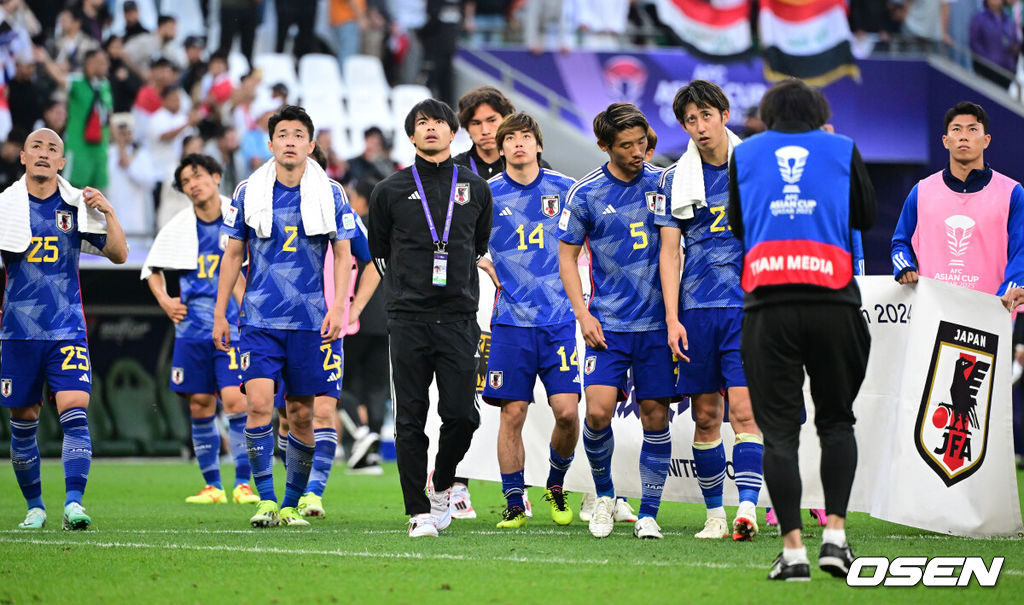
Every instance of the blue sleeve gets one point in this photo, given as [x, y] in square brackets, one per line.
[901, 251]
[345, 219]
[574, 225]
[1014, 276]
[234, 221]
[99, 240]
[360, 244]
[858, 252]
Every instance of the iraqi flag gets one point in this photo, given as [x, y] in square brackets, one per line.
[716, 28]
[806, 39]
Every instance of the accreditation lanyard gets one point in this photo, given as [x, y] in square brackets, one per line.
[440, 269]
[472, 164]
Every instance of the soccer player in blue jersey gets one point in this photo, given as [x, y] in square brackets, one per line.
[705, 314]
[533, 332]
[42, 328]
[199, 372]
[285, 321]
[612, 210]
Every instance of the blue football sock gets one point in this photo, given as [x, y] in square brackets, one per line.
[655, 452]
[76, 453]
[559, 466]
[299, 463]
[326, 443]
[206, 443]
[709, 459]
[25, 460]
[599, 446]
[746, 464]
[236, 438]
[513, 485]
[259, 443]
[282, 449]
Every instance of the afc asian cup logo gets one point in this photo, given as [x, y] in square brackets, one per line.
[625, 77]
[462, 194]
[244, 361]
[496, 379]
[6, 386]
[177, 375]
[589, 364]
[959, 229]
[549, 205]
[65, 221]
[792, 159]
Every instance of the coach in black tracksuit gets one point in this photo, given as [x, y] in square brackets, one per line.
[433, 295]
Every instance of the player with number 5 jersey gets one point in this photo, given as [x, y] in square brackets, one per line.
[46, 224]
[533, 332]
[612, 210]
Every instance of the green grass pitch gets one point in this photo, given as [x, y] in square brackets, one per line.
[147, 546]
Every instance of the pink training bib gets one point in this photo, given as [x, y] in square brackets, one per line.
[961, 238]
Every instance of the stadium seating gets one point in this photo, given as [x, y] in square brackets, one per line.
[275, 68]
[101, 428]
[178, 424]
[131, 393]
[319, 75]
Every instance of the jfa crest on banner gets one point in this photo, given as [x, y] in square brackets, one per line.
[244, 361]
[549, 205]
[655, 202]
[496, 379]
[952, 424]
[177, 375]
[462, 194]
[5, 387]
[65, 221]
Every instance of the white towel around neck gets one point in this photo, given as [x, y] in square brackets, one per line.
[316, 200]
[177, 245]
[688, 182]
[15, 230]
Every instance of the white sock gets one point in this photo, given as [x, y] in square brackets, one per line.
[716, 512]
[834, 536]
[794, 555]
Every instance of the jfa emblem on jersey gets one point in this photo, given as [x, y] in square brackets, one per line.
[952, 425]
[589, 364]
[177, 375]
[5, 387]
[65, 221]
[655, 202]
[244, 361]
[462, 194]
[222, 241]
[496, 379]
[549, 205]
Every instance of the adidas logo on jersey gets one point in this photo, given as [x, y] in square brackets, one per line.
[333, 377]
[84, 378]
[506, 212]
[415, 195]
[609, 210]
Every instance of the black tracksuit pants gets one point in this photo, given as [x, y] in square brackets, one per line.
[420, 351]
[832, 342]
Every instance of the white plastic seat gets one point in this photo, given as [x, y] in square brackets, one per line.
[320, 75]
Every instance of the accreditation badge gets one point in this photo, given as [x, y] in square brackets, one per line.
[440, 271]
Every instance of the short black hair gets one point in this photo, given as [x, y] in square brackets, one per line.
[130, 5]
[373, 131]
[161, 62]
[169, 90]
[434, 110]
[485, 95]
[165, 19]
[319, 157]
[279, 89]
[966, 108]
[793, 100]
[197, 160]
[218, 55]
[291, 112]
[701, 93]
[616, 118]
[364, 186]
[89, 54]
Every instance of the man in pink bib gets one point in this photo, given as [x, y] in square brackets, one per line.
[964, 225]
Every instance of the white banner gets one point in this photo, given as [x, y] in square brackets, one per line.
[934, 427]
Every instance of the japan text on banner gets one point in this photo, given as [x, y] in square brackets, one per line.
[933, 425]
[806, 39]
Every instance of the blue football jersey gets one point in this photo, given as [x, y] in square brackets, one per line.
[199, 287]
[713, 258]
[524, 249]
[285, 280]
[616, 221]
[43, 296]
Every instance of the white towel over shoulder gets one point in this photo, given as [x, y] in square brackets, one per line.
[315, 194]
[688, 182]
[177, 245]
[15, 230]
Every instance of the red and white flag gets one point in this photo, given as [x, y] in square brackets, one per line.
[719, 28]
[806, 39]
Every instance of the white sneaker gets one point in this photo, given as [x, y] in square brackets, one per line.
[423, 526]
[35, 519]
[624, 512]
[715, 528]
[601, 521]
[647, 527]
[441, 508]
[587, 506]
[462, 506]
[744, 526]
[526, 505]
